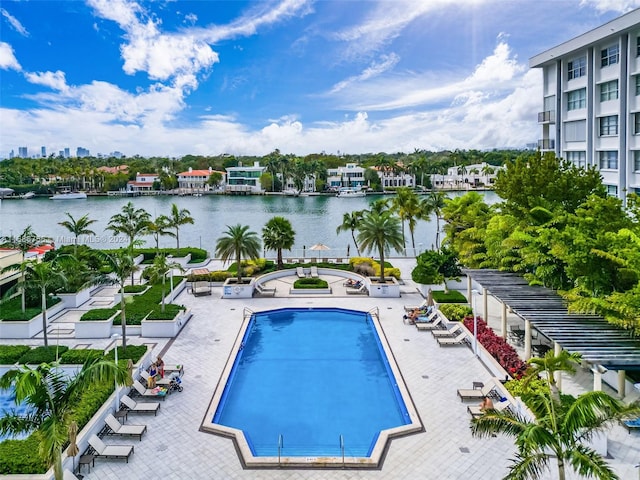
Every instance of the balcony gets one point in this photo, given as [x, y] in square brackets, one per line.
[547, 117]
[547, 144]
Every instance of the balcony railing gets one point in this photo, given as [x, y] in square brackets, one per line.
[547, 117]
[546, 144]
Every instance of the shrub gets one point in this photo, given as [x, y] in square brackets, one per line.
[455, 312]
[99, 314]
[17, 456]
[498, 348]
[134, 352]
[10, 354]
[388, 271]
[12, 309]
[452, 296]
[79, 356]
[135, 288]
[170, 312]
[43, 354]
[310, 283]
[520, 388]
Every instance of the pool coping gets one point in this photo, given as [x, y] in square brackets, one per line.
[378, 453]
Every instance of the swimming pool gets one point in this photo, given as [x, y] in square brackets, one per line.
[309, 385]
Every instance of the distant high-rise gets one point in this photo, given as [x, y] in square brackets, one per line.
[43, 151]
[12, 154]
[61, 153]
[67, 153]
[82, 152]
[23, 152]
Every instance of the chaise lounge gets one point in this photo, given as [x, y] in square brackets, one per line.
[200, 288]
[476, 393]
[461, 339]
[262, 291]
[140, 407]
[452, 332]
[476, 411]
[148, 392]
[110, 451]
[116, 428]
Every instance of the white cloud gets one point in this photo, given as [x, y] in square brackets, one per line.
[55, 80]
[7, 58]
[14, 22]
[376, 68]
[602, 6]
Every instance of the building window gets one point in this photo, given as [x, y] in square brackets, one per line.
[636, 160]
[608, 125]
[609, 91]
[577, 99]
[608, 160]
[612, 190]
[579, 159]
[577, 67]
[636, 123]
[637, 46]
[637, 84]
[575, 131]
[609, 55]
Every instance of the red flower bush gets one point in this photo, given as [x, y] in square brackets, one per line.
[498, 347]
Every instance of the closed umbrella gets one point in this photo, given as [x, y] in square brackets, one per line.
[130, 370]
[72, 449]
[430, 302]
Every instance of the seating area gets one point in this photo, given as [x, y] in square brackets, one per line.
[262, 291]
[100, 449]
[157, 392]
[478, 392]
[200, 288]
[114, 427]
[461, 339]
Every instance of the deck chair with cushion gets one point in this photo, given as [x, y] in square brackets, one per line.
[110, 451]
[158, 392]
[314, 272]
[476, 411]
[173, 369]
[300, 272]
[163, 382]
[263, 291]
[361, 290]
[116, 428]
[631, 424]
[477, 393]
[140, 407]
[452, 332]
[410, 308]
[461, 339]
[436, 323]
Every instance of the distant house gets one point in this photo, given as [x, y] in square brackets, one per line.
[351, 176]
[391, 179]
[114, 170]
[143, 182]
[193, 181]
[467, 176]
[244, 180]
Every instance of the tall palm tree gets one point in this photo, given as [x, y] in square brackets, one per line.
[52, 395]
[158, 272]
[434, 203]
[132, 222]
[78, 227]
[560, 426]
[381, 232]
[44, 276]
[23, 242]
[350, 222]
[177, 218]
[407, 205]
[158, 228]
[237, 242]
[278, 234]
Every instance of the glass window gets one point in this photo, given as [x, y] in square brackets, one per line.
[609, 55]
[636, 123]
[636, 160]
[612, 190]
[637, 84]
[579, 159]
[609, 91]
[638, 46]
[608, 125]
[608, 160]
[577, 99]
[577, 67]
[575, 131]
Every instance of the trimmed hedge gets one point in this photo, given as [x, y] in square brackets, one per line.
[135, 288]
[19, 456]
[40, 355]
[12, 309]
[79, 356]
[99, 314]
[10, 354]
[455, 312]
[170, 312]
[308, 283]
[215, 276]
[197, 254]
[452, 296]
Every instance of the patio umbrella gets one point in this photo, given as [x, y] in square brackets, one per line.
[430, 302]
[130, 370]
[319, 247]
[72, 449]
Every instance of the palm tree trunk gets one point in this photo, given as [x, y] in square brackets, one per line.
[382, 265]
[561, 474]
[123, 318]
[437, 233]
[177, 239]
[239, 267]
[354, 241]
[57, 466]
[23, 293]
[280, 259]
[44, 316]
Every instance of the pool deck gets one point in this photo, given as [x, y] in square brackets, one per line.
[174, 448]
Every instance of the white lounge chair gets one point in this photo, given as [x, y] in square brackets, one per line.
[140, 407]
[476, 411]
[110, 451]
[436, 323]
[448, 341]
[116, 428]
[452, 332]
[300, 272]
[476, 393]
[361, 290]
[263, 291]
[314, 272]
[410, 308]
[147, 392]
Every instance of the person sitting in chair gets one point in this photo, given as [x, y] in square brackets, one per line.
[486, 404]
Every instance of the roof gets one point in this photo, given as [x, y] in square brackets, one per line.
[196, 173]
[598, 341]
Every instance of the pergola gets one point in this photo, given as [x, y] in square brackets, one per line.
[601, 344]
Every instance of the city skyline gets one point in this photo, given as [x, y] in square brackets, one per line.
[246, 78]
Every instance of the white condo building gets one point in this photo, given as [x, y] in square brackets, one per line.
[591, 102]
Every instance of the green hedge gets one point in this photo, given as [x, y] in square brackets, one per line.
[170, 312]
[79, 356]
[10, 354]
[12, 309]
[40, 355]
[134, 352]
[99, 314]
[197, 254]
[215, 276]
[303, 283]
[452, 296]
[455, 312]
[135, 288]
[19, 456]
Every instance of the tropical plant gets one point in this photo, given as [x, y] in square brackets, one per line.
[158, 228]
[78, 227]
[178, 218]
[560, 426]
[238, 241]
[51, 394]
[277, 235]
[406, 204]
[380, 232]
[350, 222]
[158, 272]
[132, 223]
[434, 203]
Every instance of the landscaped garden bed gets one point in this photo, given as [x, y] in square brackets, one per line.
[309, 286]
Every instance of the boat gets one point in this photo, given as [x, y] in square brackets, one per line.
[27, 195]
[351, 192]
[68, 195]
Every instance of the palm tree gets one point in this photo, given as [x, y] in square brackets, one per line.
[407, 206]
[177, 218]
[560, 426]
[43, 276]
[23, 242]
[238, 242]
[52, 395]
[131, 222]
[462, 171]
[434, 203]
[350, 222]
[159, 227]
[78, 227]
[381, 232]
[277, 235]
[158, 272]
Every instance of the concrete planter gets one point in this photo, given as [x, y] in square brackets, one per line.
[424, 288]
[389, 289]
[95, 328]
[177, 290]
[164, 328]
[231, 288]
[74, 300]
[310, 291]
[453, 284]
[27, 328]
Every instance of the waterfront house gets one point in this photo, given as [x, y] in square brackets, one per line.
[466, 176]
[390, 178]
[196, 181]
[244, 180]
[350, 176]
[143, 182]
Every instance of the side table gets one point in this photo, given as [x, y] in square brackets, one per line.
[88, 460]
[121, 415]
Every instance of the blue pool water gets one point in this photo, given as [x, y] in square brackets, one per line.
[7, 404]
[311, 375]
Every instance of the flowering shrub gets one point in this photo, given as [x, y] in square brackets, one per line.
[498, 347]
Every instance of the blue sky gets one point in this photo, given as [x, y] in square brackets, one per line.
[209, 77]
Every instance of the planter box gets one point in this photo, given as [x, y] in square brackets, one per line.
[231, 289]
[116, 297]
[74, 300]
[312, 291]
[28, 328]
[177, 290]
[424, 288]
[453, 284]
[95, 328]
[164, 328]
[390, 289]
